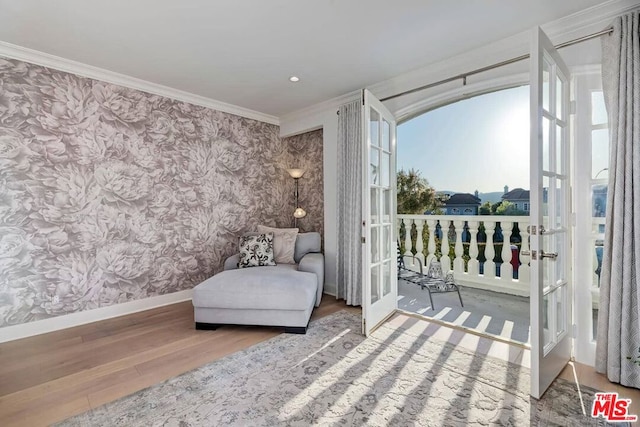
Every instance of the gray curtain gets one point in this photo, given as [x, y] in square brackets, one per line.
[618, 343]
[350, 203]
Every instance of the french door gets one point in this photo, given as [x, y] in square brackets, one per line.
[380, 283]
[549, 219]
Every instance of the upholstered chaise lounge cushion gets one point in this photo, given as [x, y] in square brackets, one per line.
[257, 288]
[307, 256]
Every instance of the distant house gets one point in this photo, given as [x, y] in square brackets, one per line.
[519, 198]
[462, 204]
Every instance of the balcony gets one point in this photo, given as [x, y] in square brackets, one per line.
[483, 251]
[494, 276]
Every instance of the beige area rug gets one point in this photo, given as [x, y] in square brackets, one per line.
[334, 376]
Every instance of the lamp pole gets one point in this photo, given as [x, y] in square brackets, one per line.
[295, 218]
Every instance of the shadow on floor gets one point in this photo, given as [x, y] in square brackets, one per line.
[488, 312]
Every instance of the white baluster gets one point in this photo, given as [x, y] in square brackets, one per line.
[431, 246]
[489, 251]
[444, 247]
[458, 262]
[419, 242]
[506, 269]
[473, 265]
[407, 237]
[524, 270]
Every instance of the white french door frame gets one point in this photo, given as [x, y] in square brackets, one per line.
[551, 293]
[379, 234]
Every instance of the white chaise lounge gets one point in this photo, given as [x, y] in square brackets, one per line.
[280, 295]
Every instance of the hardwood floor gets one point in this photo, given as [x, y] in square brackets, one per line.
[50, 377]
[587, 375]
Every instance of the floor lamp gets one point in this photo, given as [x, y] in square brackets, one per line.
[298, 213]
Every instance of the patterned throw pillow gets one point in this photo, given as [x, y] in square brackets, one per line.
[256, 250]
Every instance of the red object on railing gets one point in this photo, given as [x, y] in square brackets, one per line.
[515, 258]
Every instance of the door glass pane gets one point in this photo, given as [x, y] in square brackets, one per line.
[375, 253]
[599, 201]
[546, 335]
[561, 260]
[546, 88]
[599, 153]
[375, 128]
[560, 141]
[375, 206]
[598, 108]
[386, 206]
[548, 271]
[386, 243]
[375, 283]
[559, 106]
[386, 136]
[545, 144]
[559, 204]
[385, 167]
[545, 202]
[374, 164]
[560, 297]
[597, 252]
[386, 278]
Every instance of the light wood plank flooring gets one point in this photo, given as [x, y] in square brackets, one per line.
[51, 377]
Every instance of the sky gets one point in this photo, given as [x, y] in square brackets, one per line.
[481, 143]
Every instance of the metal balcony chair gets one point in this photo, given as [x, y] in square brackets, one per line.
[434, 281]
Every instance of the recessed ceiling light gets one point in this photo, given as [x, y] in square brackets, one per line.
[294, 79]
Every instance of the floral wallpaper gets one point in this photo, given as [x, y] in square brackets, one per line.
[305, 152]
[109, 194]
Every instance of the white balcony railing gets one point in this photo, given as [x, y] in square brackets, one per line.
[473, 246]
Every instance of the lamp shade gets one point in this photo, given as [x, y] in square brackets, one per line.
[299, 213]
[296, 173]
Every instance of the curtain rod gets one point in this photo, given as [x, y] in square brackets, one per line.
[464, 76]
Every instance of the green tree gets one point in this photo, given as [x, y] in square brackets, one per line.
[504, 207]
[508, 208]
[415, 195]
[485, 209]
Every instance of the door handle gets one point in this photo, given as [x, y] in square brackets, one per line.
[534, 255]
[551, 255]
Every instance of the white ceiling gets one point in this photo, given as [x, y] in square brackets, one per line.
[243, 51]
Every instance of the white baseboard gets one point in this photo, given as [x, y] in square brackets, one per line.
[38, 327]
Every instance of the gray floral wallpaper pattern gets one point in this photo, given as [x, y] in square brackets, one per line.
[109, 194]
[305, 151]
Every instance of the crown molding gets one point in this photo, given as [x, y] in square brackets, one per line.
[62, 64]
